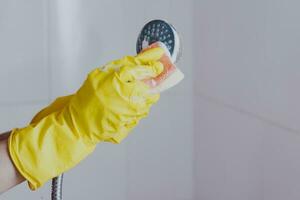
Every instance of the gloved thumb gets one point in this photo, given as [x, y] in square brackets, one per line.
[149, 55]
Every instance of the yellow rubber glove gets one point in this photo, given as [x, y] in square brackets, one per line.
[109, 104]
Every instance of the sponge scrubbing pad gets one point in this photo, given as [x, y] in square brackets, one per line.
[170, 76]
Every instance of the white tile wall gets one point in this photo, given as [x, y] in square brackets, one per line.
[247, 129]
[103, 175]
[17, 115]
[229, 158]
[160, 156]
[28, 85]
[248, 56]
[22, 192]
[241, 157]
[281, 154]
[23, 70]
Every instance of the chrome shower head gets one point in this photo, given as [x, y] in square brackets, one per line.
[162, 31]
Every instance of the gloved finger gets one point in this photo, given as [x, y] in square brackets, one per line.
[153, 54]
[145, 105]
[140, 72]
[149, 100]
[58, 104]
[124, 127]
[152, 98]
[145, 57]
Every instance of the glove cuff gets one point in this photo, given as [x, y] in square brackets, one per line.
[44, 151]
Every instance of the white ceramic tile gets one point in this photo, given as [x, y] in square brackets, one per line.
[23, 72]
[13, 116]
[281, 165]
[160, 152]
[228, 153]
[80, 41]
[22, 191]
[23, 85]
[241, 157]
[248, 56]
[22, 31]
[102, 175]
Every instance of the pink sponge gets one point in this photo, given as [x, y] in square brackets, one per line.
[170, 76]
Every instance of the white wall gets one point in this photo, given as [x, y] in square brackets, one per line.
[47, 48]
[247, 111]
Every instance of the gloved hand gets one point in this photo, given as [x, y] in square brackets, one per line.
[108, 105]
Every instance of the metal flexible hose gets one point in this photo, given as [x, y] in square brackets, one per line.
[56, 192]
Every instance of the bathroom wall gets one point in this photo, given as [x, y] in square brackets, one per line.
[229, 131]
[47, 49]
[247, 125]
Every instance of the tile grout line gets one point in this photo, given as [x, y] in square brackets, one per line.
[248, 113]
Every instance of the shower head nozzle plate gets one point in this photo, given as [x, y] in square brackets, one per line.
[159, 31]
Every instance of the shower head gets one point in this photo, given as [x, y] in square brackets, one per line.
[160, 31]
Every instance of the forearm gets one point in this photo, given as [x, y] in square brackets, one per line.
[9, 176]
